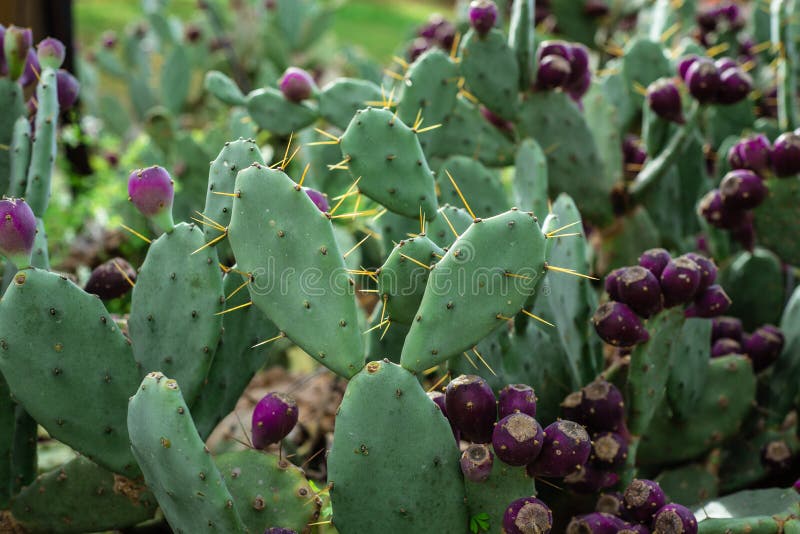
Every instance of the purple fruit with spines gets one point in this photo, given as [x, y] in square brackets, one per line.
[17, 231]
[610, 502]
[553, 72]
[752, 153]
[571, 407]
[640, 290]
[471, 407]
[482, 15]
[684, 64]
[734, 86]
[580, 87]
[553, 48]
[438, 398]
[618, 325]
[680, 281]
[602, 407]
[434, 22]
[527, 515]
[633, 528]
[578, 64]
[594, 523]
[611, 283]
[716, 214]
[726, 327]
[591, 479]
[111, 279]
[51, 52]
[274, 417]
[516, 398]
[796, 485]
[68, 88]
[517, 439]
[633, 156]
[703, 80]
[30, 75]
[17, 43]
[674, 519]
[708, 270]
[763, 346]
[566, 449]
[476, 462]
[643, 498]
[654, 260]
[777, 456]
[725, 63]
[664, 99]
[724, 346]
[418, 46]
[152, 191]
[297, 85]
[609, 450]
[319, 199]
[710, 302]
[785, 155]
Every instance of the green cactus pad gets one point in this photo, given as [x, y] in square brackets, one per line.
[490, 365]
[492, 496]
[340, 99]
[40, 257]
[481, 187]
[386, 420]
[573, 163]
[43, 151]
[761, 511]
[268, 491]
[754, 282]
[530, 178]
[573, 21]
[741, 465]
[13, 108]
[20, 155]
[69, 365]
[776, 218]
[224, 88]
[490, 68]
[235, 362]
[79, 497]
[689, 367]
[689, 484]
[521, 40]
[272, 112]
[174, 322]
[384, 342]
[299, 279]
[386, 155]
[176, 464]
[644, 62]
[466, 132]
[175, 79]
[726, 401]
[439, 231]
[6, 442]
[783, 387]
[24, 454]
[470, 292]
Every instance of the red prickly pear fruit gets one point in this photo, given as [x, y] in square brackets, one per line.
[654, 260]
[664, 99]
[17, 231]
[516, 398]
[640, 290]
[471, 407]
[643, 498]
[297, 85]
[590, 479]
[609, 450]
[724, 346]
[752, 153]
[786, 154]
[742, 189]
[680, 281]
[674, 518]
[274, 417]
[595, 523]
[566, 449]
[703, 80]
[482, 15]
[152, 190]
[764, 346]
[711, 302]
[527, 515]
[517, 439]
[476, 462]
[618, 325]
[111, 279]
[726, 326]
[602, 407]
[438, 399]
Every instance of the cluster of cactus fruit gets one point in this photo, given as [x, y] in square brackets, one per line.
[468, 202]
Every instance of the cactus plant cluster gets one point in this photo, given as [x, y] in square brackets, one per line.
[508, 253]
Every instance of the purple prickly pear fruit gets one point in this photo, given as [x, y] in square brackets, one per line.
[734, 86]
[571, 407]
[68, 87]
[111, 279]
[618, 325]
[108, 39]
[796, 485]
[497, 121]
[674, 519]
[319, 199]
[726, 327]
[192, 33]
[786, 154]
[679, 281]
[553, 72]
[17, 231]
[482, 15]
[3, 65]
[526, 516]
[578, 63]
[751, 153]
[594, 523]
[151, 190]
[633, 155]
[580, 87]
[609, 450]
[711, 302]
[724, 64]
[476, 462]
[633, 528]
[708, 269]
[716, 214]
[763, 347]
[602, 407]
[566, 449]
[279, 530]
[517, 439]
[418, 46]
[703, 80]
[50, 52]
[590, 479]
[32, 69]
[273, 418]
[777, 455]
[16, 44]
[654, 260]
[438, 398]
[639, 289]
[516, 398]
[552, 48]
[665, 100]
[742, 189]
[471, 407]
[684, 64]
[297, 85]
[724, 346]
[611, 502]
[643, 498]
[611, 283]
